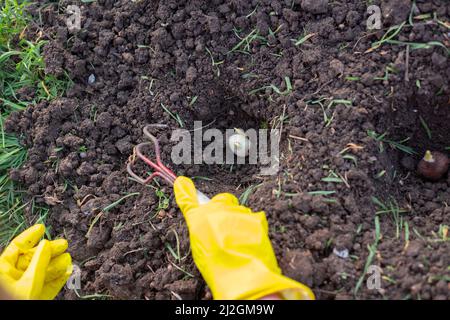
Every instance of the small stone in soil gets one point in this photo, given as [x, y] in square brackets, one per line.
[91, 79]
[341, 253]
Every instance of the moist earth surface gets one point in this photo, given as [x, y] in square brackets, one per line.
[355, 119]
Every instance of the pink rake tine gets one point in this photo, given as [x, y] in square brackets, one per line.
[160, 170]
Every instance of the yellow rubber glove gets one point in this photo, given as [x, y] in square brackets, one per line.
[31, 268]
[231, 248]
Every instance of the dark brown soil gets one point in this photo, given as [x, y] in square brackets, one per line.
[79, 144]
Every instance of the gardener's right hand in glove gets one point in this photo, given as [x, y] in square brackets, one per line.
[231, 248]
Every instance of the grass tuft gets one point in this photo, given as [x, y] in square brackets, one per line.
[394, 31]
[243, 199]
[398, 145]
[21, 68]
[275, 89]
[391, 208]
[244, 45]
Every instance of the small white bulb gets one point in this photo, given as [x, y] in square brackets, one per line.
[239, 144]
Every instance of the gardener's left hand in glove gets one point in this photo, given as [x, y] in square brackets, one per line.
[31, 268]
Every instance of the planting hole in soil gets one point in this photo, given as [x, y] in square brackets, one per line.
[424, 120]
[416, 125]
[357, 110]
[215, 147]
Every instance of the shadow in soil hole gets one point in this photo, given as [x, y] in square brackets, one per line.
[220, 112]
[420, 124]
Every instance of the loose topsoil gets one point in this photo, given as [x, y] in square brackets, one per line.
[132, 56]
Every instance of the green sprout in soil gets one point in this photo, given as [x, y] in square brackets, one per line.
[95, 296]
[380, 174]
[411, 13]
[176, 253]
[244, 45]
[118, 225]
[391, 208]
[398, 145]
[342, 46]
[350, 157]
[163, 200]
[326, 110]
[418, 84]
[321, 192]
[174, 116]
[146, 47]
[406, 228]
[249, 76]
[442, 234]
[324, 194]
[425, 126]
[93, 113]
[372, 252]
[334, 177]
[326, 117]
[150, 86]
[214, 63]
[444, 24]
[201, 178]
[108, 208]
[278, 55]
[119, 201]
[418, 45]
[352, 78]
[274, 88]
[53, 161]
[252, 12]
[389, 35]
[279, 229]
[243, 199]
[350, 146]
[389, 70]
[440, 91]
[193, 100]
[82, 149]
[274, 32]
[436, 278]
[302, 39]
[394, 31]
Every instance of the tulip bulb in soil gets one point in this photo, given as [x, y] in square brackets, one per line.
[239, 143]
[433, 166]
